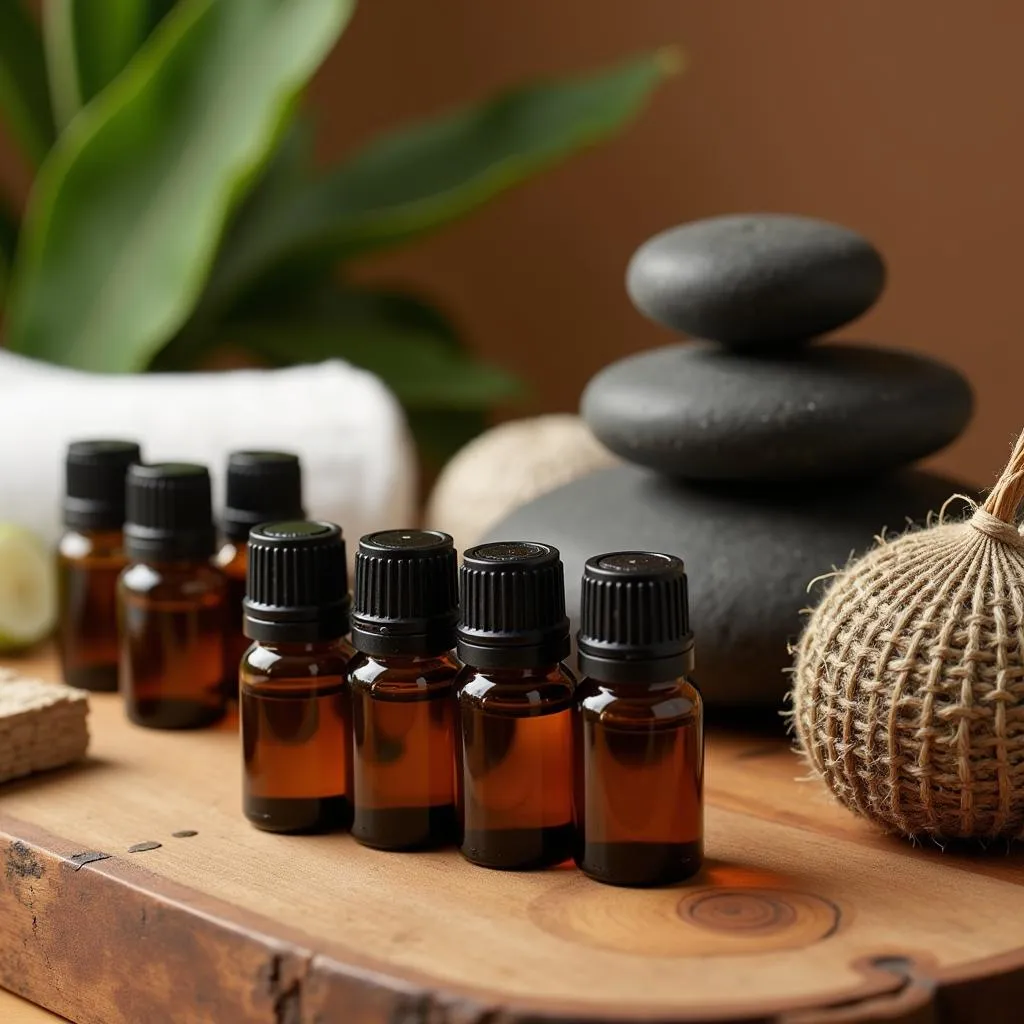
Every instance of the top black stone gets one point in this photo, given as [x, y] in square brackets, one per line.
[756, 280]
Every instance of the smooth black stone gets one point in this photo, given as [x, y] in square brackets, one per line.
[705, 413]
[756, 279]
[750, 553]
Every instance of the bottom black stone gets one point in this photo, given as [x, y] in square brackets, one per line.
[405, 828]
[518, 849]
[750, 552]
[299, 814]
[640, 864]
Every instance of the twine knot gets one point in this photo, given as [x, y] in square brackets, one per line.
[996, 528]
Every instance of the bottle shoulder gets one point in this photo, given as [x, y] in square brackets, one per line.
[403, 678]
[88, 545]
[528, 691]
[232, 559]
[267, 661]
[173, 580]
[674, 701]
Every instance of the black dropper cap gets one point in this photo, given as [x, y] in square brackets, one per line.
[297, 586]
[406, 594]
[94, 483]
[261, 487]
[170, 513]
[512, 606]
[634, 618]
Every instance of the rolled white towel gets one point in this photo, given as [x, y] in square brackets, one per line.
[358, 462]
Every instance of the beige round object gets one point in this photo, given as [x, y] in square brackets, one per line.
[908, 690]
[507, 466]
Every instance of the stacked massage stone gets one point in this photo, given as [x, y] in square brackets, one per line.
[762, 459]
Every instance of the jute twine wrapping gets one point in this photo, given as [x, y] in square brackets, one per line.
[908, 695]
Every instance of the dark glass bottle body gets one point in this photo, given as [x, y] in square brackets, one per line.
[296, 735]
[232, 560]
[403, 717]
[514, 765]
[171, 617]
[639, 781]
[88, 565]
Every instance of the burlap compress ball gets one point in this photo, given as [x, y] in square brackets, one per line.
[908, 691]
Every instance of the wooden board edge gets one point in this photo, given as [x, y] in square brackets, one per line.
[104, 941]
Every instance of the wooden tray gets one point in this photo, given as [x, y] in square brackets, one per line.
[803, 915]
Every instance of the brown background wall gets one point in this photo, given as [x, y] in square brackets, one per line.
[901, 118]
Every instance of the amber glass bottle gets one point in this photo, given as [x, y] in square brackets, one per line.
[514, 707]
[294, 700]
[261, 487]
[639, 744]
[403, 626]
[171, 600]
[90, 557]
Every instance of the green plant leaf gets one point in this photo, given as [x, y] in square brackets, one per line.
[24, 93]
[423, 371]
[126, 215]
[288, 165]
[419, 179]
[87, 49]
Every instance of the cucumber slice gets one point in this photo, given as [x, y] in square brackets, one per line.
[28, 588]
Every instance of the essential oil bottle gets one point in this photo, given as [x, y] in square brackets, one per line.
[403, 626]
[171, 600]
[639, 743]
[261, 487]
[294, 701]
[90, 557]
[515, 701]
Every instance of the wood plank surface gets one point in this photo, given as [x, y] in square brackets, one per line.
[803, 913]
[15, 1010]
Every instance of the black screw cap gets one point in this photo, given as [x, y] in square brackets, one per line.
[261, 487]
[94, 483]
[512, 606]
[406, 593]
[634, 618]
[297, 584]
[169, 513]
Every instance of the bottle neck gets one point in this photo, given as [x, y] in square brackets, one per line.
[165, 564]
[293, 648]
[636, 686]
[507, 676]
[107, 537]
[400, 662]
[616, 669]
